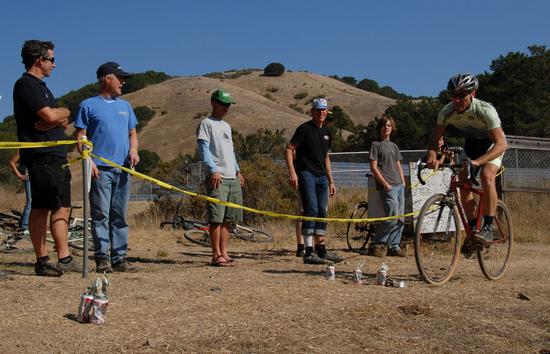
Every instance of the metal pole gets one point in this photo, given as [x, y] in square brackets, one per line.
[85, 190]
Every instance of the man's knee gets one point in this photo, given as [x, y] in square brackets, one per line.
[488, 176]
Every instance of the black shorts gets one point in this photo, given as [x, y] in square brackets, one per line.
[50, 183]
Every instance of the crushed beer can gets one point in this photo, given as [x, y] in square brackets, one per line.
[382, 274]
[84, 308]
[330, 273]
[99, 307]
[93, 302]
[358, 272]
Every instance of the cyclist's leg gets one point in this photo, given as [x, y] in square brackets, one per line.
[490, 197]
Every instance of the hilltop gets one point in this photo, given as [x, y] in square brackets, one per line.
[263, 102]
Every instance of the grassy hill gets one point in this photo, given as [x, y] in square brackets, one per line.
[263, 102]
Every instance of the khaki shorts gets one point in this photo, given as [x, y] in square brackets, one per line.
[229, 190]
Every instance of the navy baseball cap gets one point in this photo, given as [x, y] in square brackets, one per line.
[111, 68]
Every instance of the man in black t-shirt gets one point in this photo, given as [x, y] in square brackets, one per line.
[39, 119]
[311, 174]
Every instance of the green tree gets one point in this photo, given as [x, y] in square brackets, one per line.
[143, 115]
[263, 142]
[148, 161]
[274, 69]
[368, 85]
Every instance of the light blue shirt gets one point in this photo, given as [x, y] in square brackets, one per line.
[108, 123]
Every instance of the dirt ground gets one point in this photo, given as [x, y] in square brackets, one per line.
[272, 302]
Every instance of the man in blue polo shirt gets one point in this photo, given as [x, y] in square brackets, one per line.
[110, 123]
[39, 119]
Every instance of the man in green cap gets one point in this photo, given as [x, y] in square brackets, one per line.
[224, 180]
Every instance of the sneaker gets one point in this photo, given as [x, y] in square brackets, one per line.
[485, 235]
[332, 257]
[314, 259]
[72, 266]
[300, 253]
[123, 266]
[397, 252]
[103, 266]
[377, 251]
[46, 269]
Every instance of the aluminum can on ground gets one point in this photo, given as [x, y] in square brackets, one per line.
[331, 273]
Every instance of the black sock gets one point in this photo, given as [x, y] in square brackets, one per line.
[44, 259]
[300, 247]
[309, 251]
[488, 220]
[66, 260]
[321, 250]
[472, 223]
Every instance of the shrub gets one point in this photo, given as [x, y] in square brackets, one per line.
[297, 108]
[274, 69]
[300, 95]
[148, 160]
[269, 97]
[144, 115]
[272, 89]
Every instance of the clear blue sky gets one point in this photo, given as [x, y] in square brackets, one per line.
[413, 46]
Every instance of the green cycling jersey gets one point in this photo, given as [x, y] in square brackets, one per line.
[474, 122]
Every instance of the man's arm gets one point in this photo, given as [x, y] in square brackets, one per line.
[13, 166]
[79, 133]
[431, 156]
[133, 154]
[378, 175]
[52, 118]
[499, 147]
[289, 156]
[400, 170]
[331, 186]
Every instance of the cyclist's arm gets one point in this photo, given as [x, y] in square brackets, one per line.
[431, 156]
[499, 147]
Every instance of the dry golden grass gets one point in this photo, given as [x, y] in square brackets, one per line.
[10, 199]
[530, 215]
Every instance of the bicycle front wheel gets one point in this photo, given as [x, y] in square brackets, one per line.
[437, 239]
[253, 235]
[494, 260]
[358, 233]
[200, 237]
[76, 238]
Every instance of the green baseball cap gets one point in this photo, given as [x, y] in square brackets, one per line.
[222, 96]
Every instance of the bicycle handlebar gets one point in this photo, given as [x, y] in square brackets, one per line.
[466, 162]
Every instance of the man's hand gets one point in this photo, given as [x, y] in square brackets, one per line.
[23, 178]
[332, 189]
[134, 158]
[431, 159]
[95, 170]
[241, 178]
[215, 180]
[293, 180]
[43, 126]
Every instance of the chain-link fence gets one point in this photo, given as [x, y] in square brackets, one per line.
[525, 169]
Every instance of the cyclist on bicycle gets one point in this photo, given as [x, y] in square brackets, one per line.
[485, 144]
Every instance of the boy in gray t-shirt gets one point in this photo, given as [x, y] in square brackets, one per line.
[385, 165]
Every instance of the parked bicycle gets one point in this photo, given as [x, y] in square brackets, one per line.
[197, 231]
[438, 237]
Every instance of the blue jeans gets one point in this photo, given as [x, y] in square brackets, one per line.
[389, 232]
[109, 195]
[27, 211]
[314, 194]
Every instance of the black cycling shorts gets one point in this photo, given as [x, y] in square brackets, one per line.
[50, 183]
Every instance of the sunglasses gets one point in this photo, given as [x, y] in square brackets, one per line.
[460, 95]
[52, 59]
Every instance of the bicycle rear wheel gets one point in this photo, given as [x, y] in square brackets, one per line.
[437, 239]
[200, 237]
[494, 260]
[359, 233]
[253, 235]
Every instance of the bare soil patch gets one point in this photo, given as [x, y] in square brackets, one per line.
[272, 302]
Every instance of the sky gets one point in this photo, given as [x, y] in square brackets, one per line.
[412, 46]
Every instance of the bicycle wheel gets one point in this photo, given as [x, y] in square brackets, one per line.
[200, 237]
[437, 239]
[359, 233]
[249, 234]
[494, 260]
[76, 239]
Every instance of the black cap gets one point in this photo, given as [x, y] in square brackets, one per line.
[111, 68]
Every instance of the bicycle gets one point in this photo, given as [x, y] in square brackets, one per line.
[197, 231]
[437, 242]
[358, 234]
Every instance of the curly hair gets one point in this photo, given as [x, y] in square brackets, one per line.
[34, 49]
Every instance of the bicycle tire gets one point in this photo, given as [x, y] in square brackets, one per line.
[199, 237]
[76, 240]
[495, 259]
[250, 234]
[436, 245]
[359, 234]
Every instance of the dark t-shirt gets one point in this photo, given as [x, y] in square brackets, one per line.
[386, 153]
[30, 95]
[312, 146]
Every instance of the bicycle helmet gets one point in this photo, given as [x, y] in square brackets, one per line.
[462, 83]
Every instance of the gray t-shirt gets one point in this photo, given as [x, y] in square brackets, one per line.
[218, 134]
[387, 154]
